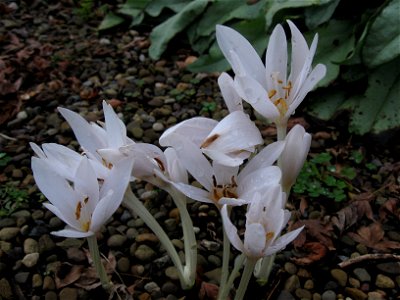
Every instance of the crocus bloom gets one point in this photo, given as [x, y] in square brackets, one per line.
[232, 100]
[101, 143]
[227, 142]
[223, 184]
[297, 145]
[85, 204]
[269, 89]
[265, 220]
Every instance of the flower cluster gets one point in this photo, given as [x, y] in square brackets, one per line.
[227, 157]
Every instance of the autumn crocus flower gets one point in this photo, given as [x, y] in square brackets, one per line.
[83, 203]
[99, 142]
[265, 220]
[269, 88]
[297, 145]
[228, 142]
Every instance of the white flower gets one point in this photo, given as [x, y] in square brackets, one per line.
[227, 142]
[232, 100]
[265, 220]
[297, 145]
[65, 161]
[269, 89]
[223, 184]
[101, 143]
[82, 203]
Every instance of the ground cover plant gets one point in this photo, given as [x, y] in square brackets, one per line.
[342, 239]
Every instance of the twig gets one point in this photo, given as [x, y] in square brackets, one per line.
[366, 257]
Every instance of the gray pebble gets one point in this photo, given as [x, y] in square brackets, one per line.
[172, 273]
[21, 277]
[30, 260]
[30, 246]
[329, 295]
[116, 240]
[362, 275]
[8, 233]
[123, 264]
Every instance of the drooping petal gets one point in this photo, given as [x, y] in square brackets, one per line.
[266, 157]
[254, 240]
[195, 129]
[193, 192]
[230, 40]
[67, 216]
[282, 242]
[276, 58]
[231, 230]
[72, 233]
[255, 94]
[232, 100]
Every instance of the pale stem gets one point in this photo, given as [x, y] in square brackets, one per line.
[225, 259]
[224, 290]
[281, 131]
[246, 276]
[189, 237]
[136, 206]
[265, 269]
[95, 255]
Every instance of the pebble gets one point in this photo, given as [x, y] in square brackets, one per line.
[8, 233]
[169, 288]
[355, 294]
[158, 127]
[76, 255]
[137, 270]
[285, 295]
[292, 283]
[68, 293]
[390, 267]
[123, 264]
[116, 240]
[50, 295]
[5, 289]
[30, 260]
[328, 295]
[309, 284]
[152, 287]
[290, 268]
[162, 261]
[376, 296]
[384, 282]
[144, 253]
[172, 273]
[48, 283]
[46, 243]
[214, 260]
[30, 246]
[210, 245]
[303, 294]
[340, 276]
[214, 275]
[150, 238]
[37, 281]
[362, 275]
[170, 224]
[21, 277]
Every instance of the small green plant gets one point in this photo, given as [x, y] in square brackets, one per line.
[4, 159]
[11, 199]
[321, 178]
[208, 106]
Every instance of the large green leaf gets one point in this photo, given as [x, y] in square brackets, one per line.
[110, 20]
[380, 107]
[335, 42]
[163, 33]
[317, 15]
[155, 7]
[253, 30]
[382, 43]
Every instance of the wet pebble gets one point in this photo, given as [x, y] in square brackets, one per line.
[30, 246]
[384, 282]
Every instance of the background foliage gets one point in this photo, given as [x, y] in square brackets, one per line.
[360, 45]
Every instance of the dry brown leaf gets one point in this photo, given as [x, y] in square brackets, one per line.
[391, 206]
[208, 291]
[351, 214]
[316, 230]
[315, 250]
[74, 273]
[372, 237]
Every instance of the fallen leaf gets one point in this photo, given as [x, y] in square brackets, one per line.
[317, 230]
[351, 214]
[208, 291]
[392, 207]
[74, 273]
[315, 251]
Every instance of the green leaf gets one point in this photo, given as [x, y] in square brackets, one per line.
[382, 43]
[336, 42]
[348, 172]
[163, 33]
[379, 108]
[327, 104]
[111, 20]
[276, 6]
[317, 15]
[155, 7]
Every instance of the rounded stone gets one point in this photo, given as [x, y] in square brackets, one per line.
[328, 295]
[8, 233]
[384, 282]
[123, 264]
[68, 293]
[30, 260]
[37, 281]
[355, 293]
[48, 283]
[50, 295]
[292, 283]
[5, 289]
[303, 294]
[30, 246]
[116, 240]
[172, 273]
[290, 268]
[144, 253]
[362, 275]
[340, 276]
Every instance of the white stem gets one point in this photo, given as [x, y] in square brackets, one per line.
[95, 255]
[246, 275]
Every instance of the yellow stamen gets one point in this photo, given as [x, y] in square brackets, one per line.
[281, 105]
[269, 235]
[287, 89]
[78, 210]
[271, 93]
[86, 226]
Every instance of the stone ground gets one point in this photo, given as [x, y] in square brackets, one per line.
[51, 57]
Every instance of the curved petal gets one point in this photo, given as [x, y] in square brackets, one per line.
[266, 157]
[232, 100]
[66, 216]
[38, 151]
[233, 201]
[104, 210]
[299, 52]
[71, 233]
[195, 129]
[225, 174]
[193, 192]
[116, 130]
[230, 40]
[86, 183]
[276, 59]
[176, 171]
[231, 230]
[256, 95]
[282, 241]
[254, 240]
[257, 179]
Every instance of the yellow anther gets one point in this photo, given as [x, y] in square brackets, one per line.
[86, 226]
[271, 93]
[78, 210]
[281, 105]
[269, 235]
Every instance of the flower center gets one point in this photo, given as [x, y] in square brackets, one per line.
[223, 190]
[280, 95]
[85, 225]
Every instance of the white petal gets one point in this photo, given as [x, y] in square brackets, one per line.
[38, 151]
[86, 183]
[230, 40]
[103, 211]
[193, 192]
[282, 241]
[254, 240]
[223, 174]
[233, 201]
[276, 58]
[67, 217]
[256, 95]
[192, 159]
[53, 186]
[231, 230]
[176, 171]
[299, 52]
[195, 129]
[264, 158]
[258, 179]
[116, 130]
[83, 131]
[232, 100]
[315, 76]
[71, 233]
